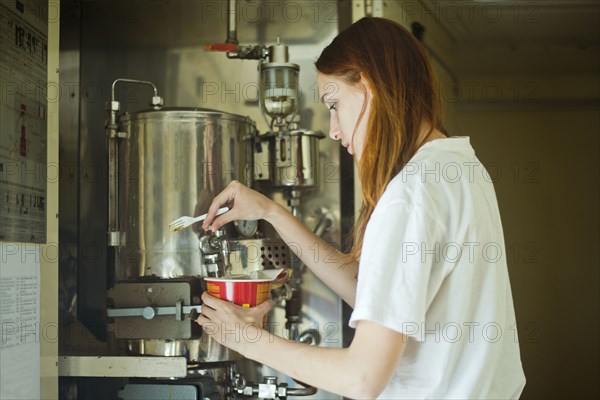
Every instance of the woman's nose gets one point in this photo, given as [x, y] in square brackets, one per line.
[334, 129]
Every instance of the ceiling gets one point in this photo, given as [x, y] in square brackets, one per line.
[519, 36]
[539, 22]
[486, 37]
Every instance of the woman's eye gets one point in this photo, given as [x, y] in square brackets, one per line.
[332, 107]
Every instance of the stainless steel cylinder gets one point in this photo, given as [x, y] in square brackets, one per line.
[172, 162]
[295, 158]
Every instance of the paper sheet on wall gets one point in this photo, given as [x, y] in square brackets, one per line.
[20, 321]
[23, 121]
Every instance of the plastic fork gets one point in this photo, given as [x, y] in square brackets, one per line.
[183, 222]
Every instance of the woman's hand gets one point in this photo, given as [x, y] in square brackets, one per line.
[244, 203]
[232, 325]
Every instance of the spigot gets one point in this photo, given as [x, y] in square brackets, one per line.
[211, 261]
[215, 250]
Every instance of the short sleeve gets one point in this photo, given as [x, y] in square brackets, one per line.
[397, 273]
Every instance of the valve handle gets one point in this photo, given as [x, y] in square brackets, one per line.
[228, 47]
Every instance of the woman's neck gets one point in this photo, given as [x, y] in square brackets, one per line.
[427, 135]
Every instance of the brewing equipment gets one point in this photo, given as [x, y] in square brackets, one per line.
[293, 152]
[164, 162]
[168, 162]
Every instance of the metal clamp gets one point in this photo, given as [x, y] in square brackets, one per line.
[150, 312]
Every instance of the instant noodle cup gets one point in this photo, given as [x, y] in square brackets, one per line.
[244, 290]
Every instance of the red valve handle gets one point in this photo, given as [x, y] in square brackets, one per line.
[228, 47]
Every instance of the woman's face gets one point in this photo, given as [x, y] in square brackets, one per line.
[345, 103]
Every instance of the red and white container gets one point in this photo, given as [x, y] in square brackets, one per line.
[245, 290]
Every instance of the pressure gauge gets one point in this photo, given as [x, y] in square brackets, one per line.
[246, 228]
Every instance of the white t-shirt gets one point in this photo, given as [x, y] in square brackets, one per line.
[433, 267]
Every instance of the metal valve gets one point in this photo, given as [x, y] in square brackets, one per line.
[269, 389]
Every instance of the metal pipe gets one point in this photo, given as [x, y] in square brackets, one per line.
[369, 8]
[304, 391]
[294, 202]
[114, 84]
[113, 173]
[324, 224]
[231, 22]
[113, 134]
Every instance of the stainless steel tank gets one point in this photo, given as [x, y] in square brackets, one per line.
[172, 163]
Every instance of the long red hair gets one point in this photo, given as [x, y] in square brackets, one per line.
[405, 96]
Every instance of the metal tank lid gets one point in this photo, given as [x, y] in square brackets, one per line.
[184, 112]
[294, 132]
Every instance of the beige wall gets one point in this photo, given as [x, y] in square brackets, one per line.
[548, 197]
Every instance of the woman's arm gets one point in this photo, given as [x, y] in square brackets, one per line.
[334, 268]
[362, 370]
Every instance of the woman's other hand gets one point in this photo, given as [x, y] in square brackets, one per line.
[232, 325]
[244, 204]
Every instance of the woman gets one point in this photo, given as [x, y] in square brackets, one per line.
[427, 276]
